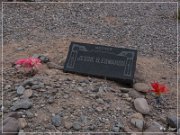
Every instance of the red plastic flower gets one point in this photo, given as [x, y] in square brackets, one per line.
[158, 89]
[28, 63]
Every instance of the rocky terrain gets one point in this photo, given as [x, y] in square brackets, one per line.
[54, 101]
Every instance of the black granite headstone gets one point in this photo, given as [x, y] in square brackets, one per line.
[102, 61]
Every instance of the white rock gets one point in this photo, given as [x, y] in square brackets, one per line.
[141, 87]
[141, 105]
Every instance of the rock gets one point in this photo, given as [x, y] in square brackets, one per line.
[22, 123]
[126, 95]
[137, 116]
[28, 93]
[20, 49]
[135, 94]
[100, 101]
[115, 129]
[50, 100]
[124, 90]
[141, 87]
[141, 105]
[52, 65]
[95, 90]
[154, 127]
[76, 126]
[83, 119]
[68, 125]
[7, 87]
[37, 86]
[15, 115]
[20, 90]
[66, 96]
[56, 120]
[173, 121]
[28, 82]
[11, 125]
[29, 114]
[137, 123]
[21, 104]
[43, 58]
[91, 127]
[99, 109]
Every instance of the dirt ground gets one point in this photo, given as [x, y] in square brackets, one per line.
[149, 69]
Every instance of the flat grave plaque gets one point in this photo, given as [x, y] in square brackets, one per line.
[117, 64]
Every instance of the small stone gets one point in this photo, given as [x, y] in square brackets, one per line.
[137, 116]
[100, 101]
[20, 49]
[115, 129]
[66, 96]
[173, 121]
[37, 86]
[80, 89]
[7, 87]
[124, 90]
[141, 105]
[56, 120]
[99, 109]
[16, 98]
[29, 114]
[137, 123]
[22, 123]
[43, 58]
[22, 104]
[135, 94]
[95, 90]
[50, 100]
[83, 119]
[141, 87]
[28, 82]
[76, 126]
[92, 127]
[154, 127]
[10, 125]
[15, 115]
[28, 93]
[125, 95]
[20, 90]
[68, 125]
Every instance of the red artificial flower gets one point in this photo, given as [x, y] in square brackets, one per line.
[158, 89]
[28, 63]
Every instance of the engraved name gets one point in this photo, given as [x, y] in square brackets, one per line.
[101, 60]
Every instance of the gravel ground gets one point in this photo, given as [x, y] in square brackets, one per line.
[149, 28]
[94, 0]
